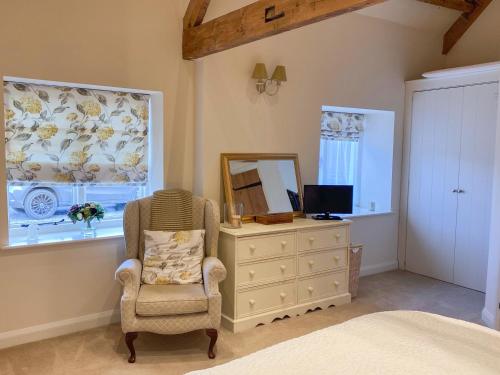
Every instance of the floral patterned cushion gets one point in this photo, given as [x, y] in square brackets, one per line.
[173, 257]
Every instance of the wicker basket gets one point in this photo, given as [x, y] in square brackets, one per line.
[355, 253]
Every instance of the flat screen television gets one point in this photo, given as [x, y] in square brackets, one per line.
[328, 200]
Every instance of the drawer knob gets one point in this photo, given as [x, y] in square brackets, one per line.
[310, 289]
[252, 248]
[283, 295]
[251, 302]
[311, 263]
[336, 258]
[336, 283]
[337, 236]
[283, 268]
[251, 273]
[283, 243]
[311, 239]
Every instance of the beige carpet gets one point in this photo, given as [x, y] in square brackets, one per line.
[102, 350]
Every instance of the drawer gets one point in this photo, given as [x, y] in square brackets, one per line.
[322, 286]
[271, 270]
[265, 246]
[322, 261]
[323, 238]
[265, 299]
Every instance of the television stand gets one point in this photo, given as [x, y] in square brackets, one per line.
[326, 216]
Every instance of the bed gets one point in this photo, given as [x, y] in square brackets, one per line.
[396, 342]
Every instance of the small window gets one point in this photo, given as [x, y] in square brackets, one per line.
[341, 134]
[339, 162]
[356, 148]
[70, 145]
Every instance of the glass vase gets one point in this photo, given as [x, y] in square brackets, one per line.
[88, 229]
[232, 215]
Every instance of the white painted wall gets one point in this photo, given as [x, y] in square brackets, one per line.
[52, 283]
[491, 311]
[239, 166]
[376, 161]
[481, 42]
[46, 285]
[287, 172]
[351, 60]
[379, 235]
[277, 176]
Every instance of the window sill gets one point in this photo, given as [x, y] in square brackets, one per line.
[64, 238]
[361, 212]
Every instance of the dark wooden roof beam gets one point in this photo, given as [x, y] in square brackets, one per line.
[260, 20]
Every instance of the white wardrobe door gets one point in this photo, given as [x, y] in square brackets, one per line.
[434, 170]
[476, 179]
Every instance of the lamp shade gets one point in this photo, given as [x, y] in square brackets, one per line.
[260, 71]
[279, 74]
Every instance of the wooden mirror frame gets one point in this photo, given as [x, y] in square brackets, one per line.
[228, 186]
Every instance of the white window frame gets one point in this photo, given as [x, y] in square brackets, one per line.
[108, 228]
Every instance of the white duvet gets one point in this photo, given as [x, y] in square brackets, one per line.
[396, 342]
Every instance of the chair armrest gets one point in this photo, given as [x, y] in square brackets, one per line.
[129, 275]
[213, 273]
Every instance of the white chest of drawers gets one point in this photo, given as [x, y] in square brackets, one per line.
[283, 269]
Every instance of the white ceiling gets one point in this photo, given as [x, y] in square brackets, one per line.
[415, 14]
[411, 13]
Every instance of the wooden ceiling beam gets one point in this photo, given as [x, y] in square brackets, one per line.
[259, 20]
[458, 29]
[195, 13]
[460, 5]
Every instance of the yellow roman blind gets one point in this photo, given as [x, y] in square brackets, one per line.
[59, 134]
[341, 126]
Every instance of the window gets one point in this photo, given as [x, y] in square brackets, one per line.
[340, 149]
[72, 144]
[356, 148]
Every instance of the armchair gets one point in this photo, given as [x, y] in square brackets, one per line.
[169, 309]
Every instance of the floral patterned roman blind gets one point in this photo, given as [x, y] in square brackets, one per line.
[341, 126]
[56, 134]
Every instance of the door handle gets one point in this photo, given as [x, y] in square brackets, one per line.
[461, 191]
[454, 191]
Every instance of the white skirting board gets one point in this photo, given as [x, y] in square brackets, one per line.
[488, 318]
[81, 323]
[378, 268]
[59, 328]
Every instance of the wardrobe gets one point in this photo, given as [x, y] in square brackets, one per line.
[450, 148]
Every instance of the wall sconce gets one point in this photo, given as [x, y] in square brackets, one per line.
[265, 84]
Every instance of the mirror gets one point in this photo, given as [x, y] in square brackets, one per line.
[263, 183]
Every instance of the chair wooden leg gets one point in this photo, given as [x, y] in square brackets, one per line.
[213, 334]
[129, 340]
